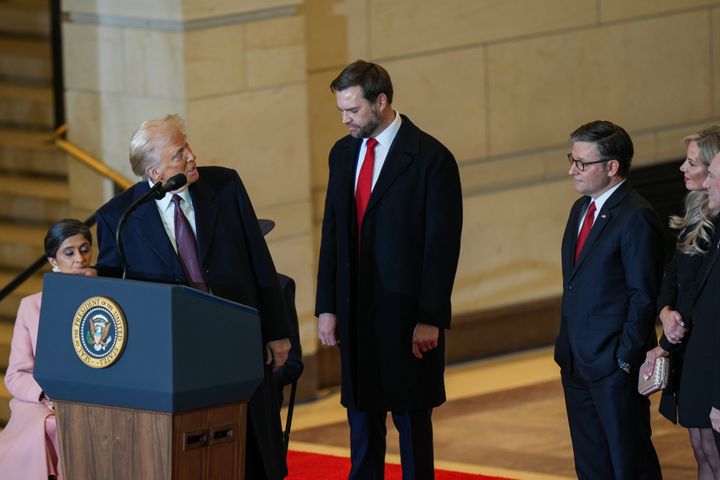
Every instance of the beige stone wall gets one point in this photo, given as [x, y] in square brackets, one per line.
[502, 84]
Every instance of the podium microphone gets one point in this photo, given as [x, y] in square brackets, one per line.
[156, 192]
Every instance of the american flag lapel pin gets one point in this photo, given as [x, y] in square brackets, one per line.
[603, 216]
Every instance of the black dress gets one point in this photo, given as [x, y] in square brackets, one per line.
[687, 395]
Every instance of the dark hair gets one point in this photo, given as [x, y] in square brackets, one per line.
[371, 77]
[63, 230]
[612, 142]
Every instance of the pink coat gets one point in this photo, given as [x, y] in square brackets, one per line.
[28, 444]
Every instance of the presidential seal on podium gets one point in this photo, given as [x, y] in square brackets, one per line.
[99, 332]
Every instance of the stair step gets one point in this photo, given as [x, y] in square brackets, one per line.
[27, 17]
[28, 152]
[4, 402]
[45, 188]
[41, 200]
[9, 306]
[26, 106]
[20, 245]
[26, 59]
[6, 331]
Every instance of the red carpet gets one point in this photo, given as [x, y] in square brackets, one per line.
[313, 466]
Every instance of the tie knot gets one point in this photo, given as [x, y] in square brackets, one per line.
[371, 143]
[176, 199]
[591, 208]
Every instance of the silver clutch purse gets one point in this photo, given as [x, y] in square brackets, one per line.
[658, 380]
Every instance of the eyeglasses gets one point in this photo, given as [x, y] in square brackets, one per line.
[581, 165]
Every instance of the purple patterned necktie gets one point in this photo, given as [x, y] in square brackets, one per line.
[187, 248]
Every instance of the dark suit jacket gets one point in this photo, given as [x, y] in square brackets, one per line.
[706, 309]
[235, 260]
[608, 305]
[405, 273]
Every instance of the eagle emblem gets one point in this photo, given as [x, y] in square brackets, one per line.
[98, 335]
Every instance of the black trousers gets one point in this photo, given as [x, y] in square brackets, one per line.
[610, 428]
[367, 444]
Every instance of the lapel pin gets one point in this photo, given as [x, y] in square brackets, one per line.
[603, 216]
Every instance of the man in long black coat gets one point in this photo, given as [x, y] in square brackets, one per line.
[234, 259]
[384, 281]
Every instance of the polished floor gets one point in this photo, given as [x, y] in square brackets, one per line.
[504, 416]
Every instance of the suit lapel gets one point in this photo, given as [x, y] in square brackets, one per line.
[399, 157]
[345, 188]
[572, 234]
[206, 214]
[148, 226]
[601, 221]
[708, 263]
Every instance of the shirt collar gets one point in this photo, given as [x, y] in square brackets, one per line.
[386, 137]
[164, 203]
[600, 201]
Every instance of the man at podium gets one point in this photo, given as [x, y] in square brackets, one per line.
[204, 235]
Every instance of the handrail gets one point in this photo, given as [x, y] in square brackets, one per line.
[88, 160]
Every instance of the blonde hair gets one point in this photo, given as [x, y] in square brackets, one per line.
[696, 226]
[144, 145]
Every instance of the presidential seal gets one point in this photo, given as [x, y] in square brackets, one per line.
[98, 332]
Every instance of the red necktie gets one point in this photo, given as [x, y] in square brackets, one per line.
[364, 182]
[585, 230]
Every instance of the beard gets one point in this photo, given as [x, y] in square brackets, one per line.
[369, 128]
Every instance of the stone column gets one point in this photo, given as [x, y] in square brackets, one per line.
[235, 70]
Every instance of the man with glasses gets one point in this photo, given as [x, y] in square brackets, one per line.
[612, 259]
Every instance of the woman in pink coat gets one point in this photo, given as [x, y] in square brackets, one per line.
[29, 444]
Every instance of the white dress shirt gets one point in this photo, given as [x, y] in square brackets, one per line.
[166, 208]
[385, 139]
[599, 202]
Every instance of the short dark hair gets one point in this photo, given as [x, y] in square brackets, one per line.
[371, 77]
[612, 142]
[63, 230]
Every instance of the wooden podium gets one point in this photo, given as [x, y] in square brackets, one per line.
[173, 404]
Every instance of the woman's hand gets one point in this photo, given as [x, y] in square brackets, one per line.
[673, 325]
[715, 419]
[650, 357]
[89, 272]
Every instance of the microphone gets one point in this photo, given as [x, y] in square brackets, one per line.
[156, 192]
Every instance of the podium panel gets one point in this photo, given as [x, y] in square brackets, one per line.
[107, 443]
[184, 349]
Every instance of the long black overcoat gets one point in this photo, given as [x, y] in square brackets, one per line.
[404, 274]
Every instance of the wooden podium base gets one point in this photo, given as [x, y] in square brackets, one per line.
[116, 443]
